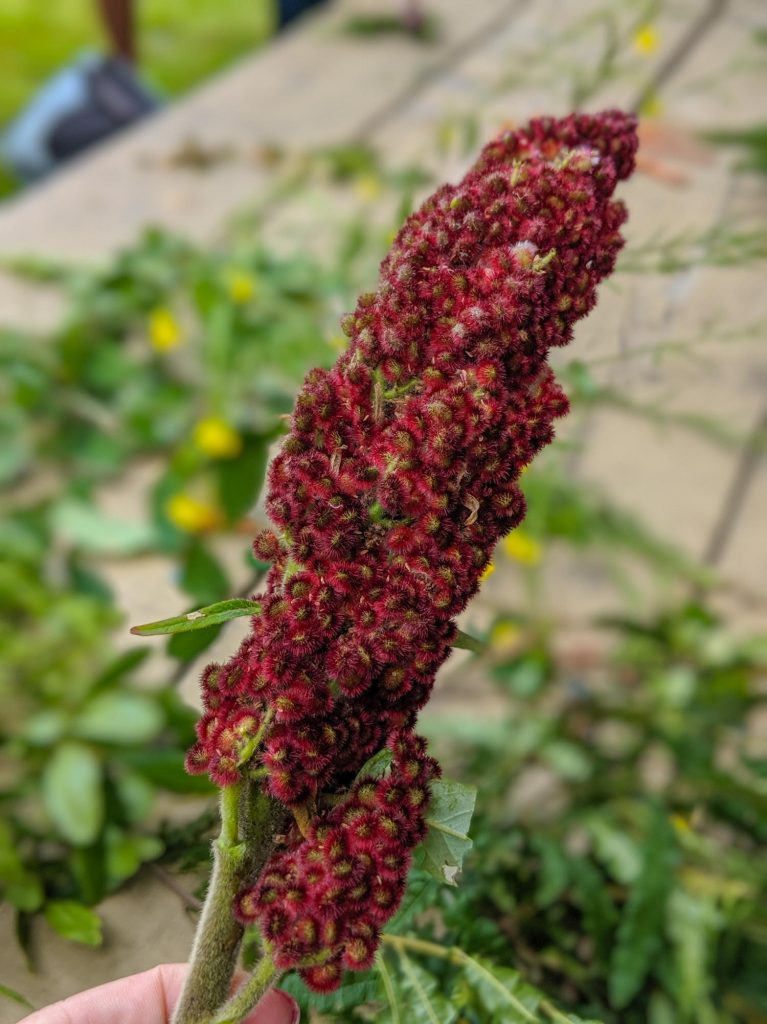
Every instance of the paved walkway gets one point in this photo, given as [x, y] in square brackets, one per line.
[496, 61]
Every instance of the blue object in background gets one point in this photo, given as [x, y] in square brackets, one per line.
[290, 9]
[88, 101]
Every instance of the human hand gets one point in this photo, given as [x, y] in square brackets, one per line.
[149, 998]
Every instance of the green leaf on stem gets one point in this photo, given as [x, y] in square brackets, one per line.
[214, 614]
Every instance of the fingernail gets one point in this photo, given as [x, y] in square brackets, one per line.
[294, 1007]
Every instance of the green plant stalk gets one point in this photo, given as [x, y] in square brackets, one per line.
[249, 993]
[249, 822]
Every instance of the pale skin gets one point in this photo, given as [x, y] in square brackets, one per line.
[149, 998]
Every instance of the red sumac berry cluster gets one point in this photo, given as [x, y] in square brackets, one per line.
[327, 896]
[400, 472]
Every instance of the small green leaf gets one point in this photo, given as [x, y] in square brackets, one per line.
[377, 765]
[449, 817]
[222, 611]
[465, 642]
[123, 717]
[74, 921]
[73, 792]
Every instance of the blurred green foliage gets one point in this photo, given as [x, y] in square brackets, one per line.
[185, 362]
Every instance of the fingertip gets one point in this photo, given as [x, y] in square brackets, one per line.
[276, 1007]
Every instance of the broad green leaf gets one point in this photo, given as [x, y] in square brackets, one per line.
[640, 933]
[86, 527]
[16, 997]
[203, 576]
[241, 479]
[123, 718]
[448, 818]
[190, 645]
[74, 921]
[122, 665]
[73, 792]
[202, 618]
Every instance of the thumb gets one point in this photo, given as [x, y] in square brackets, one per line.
[275, 1007]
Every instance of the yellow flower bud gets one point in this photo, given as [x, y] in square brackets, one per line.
[191, 514]
[241, 287]
[504, 635]
[488, 572]
[217, 439]
[522, 548]
[646, 40]
[164, 330]
[368, 187]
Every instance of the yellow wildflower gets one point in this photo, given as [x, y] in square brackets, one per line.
[217, 439]
[368, 187]
[680, 823]
[241, 287]
[522, 548]
[488, 572]
[191, 514]
[646, 40]
[504, 635]
[164, 330]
